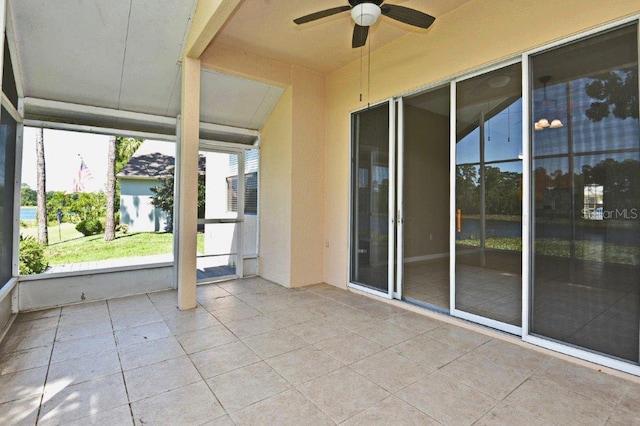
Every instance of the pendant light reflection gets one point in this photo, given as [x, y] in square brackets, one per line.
[546, 107]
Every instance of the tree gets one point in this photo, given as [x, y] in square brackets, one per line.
[120, 151]
[43, 232]
[162, 197]
[615, 92]
[110, 220]
[28, 197]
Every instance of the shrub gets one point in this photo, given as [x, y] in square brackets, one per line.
[122, 227]
[89, 227]
[31, 258]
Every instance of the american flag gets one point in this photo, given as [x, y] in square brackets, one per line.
[84, 175]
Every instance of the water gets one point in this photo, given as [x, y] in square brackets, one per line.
[28, 213]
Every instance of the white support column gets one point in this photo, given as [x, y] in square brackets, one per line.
[188, 185]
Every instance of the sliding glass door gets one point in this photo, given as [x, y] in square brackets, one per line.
[372, 198]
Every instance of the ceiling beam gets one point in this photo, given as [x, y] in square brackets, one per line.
[209, 17]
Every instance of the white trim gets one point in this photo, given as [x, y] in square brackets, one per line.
[240, 207]
[13, 51]
[221, 128]
[369, 290]
[527, 230]
[98, 130]
[5, 290]
[575, 352]
[452, 196]
[17, 196]
[215, 145]
[98, 111]
[486, 321]
[176, 202]
[414, 259]
[391, 257]
[399, 260]
[6, 103]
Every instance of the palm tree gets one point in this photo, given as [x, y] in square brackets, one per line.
[43, 233]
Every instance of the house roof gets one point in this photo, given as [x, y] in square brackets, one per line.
[153, 159]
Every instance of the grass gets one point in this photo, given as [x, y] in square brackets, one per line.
[584, 250]
[70, 246]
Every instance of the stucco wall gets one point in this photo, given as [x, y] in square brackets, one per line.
[275, 193]
[479, 33]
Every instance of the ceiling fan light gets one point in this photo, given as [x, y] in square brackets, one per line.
[365, 14]
[499, 81]
[556, 124]
[537, 126]
[544, 123]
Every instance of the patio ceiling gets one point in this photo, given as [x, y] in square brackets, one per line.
[123, 55]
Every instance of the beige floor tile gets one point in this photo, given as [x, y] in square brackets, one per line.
[164, 376]
[507, 414]
[192, 404]
[553, 404]
[317, 330]
[415, 322]
[134, 319]
[349, 347]
[623, 418]
[78, 370]
[252, 326]
[22, 384]
[630, 401]
[134, 356]
[588, 382]
[235, 313]
[24, 360]
[511, 355]
[79, 330]
[485, 375]
[210, 291]
[289, 408]
[213, 305]
[83, 400]
[390, 370]
[386, 334]
[120, 416]
[458, 337]
[77, 348]
[26, 327]
[85, 316]
[247, 385]
[45, 313]
[221, 359]
[447, 400]
[206, 338]
[14, 343]
[89, 308]
[428, 352]
[142, 333]
[274, 343]
[220, 421]
[289, 317]
[20, 412]
[185, 321]
[391, 411]
[380, 310]
[303, 364]
[343, 393]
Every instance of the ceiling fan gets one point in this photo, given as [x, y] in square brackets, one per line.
[366, 12]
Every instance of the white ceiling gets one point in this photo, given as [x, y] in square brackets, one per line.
[124, 55]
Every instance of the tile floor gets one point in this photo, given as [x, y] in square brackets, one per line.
[256, 353]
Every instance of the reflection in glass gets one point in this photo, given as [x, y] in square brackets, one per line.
[7, 169]
[586, 196]
[489, 195]
[370, 203]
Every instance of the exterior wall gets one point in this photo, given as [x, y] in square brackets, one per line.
[39, 293]
[5, 311]
[478, 33]
[136, 210]
[275, 193]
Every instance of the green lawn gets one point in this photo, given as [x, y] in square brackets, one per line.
[73, 247]
[585, 250]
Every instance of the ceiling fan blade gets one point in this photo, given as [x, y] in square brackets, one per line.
[407, 15]
[321, 14]
[359, 36]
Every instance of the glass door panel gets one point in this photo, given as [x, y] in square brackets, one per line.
[585, 195]
[371, 180]
[488, 196]
[220, 196]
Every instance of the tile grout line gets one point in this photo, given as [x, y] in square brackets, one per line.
[46, 377]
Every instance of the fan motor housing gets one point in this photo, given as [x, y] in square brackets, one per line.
[357, 2]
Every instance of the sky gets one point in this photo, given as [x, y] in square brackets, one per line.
[62, 162]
